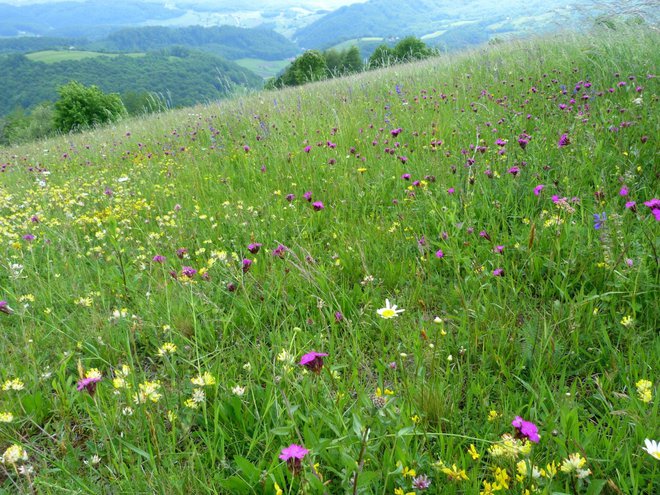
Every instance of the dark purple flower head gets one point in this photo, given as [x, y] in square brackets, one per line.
[181, 253]
[339, 317]
[280, 250]
[538, 189]
[498, 249]
[513, 171]
[563, 141]
[405, 176]
[439, 254]
[88, 384]
[498, 272]
[485, 235]
[526, 429]
[318, 205]
[623, 191]
[307, 149]
[4, 308]
[254, 247]
[654, 203]
[308, 196]
[159, 258]
[313, 361]
[29, 237]
[632, 206]
[188, 271]
[396, 132]
[246, 148]
[246, 263]
[290, 197]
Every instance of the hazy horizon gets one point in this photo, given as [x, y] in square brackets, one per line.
[315, 4]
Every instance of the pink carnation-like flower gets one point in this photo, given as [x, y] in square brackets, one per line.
[293, 455]
[88, 384]
[313, 361]
[526, 429]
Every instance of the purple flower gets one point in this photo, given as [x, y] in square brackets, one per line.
[246, 148]
[421, 482]
[29, 237]
[632, 206]
[421, 242]
[339, 317]
[563, 141]
[188, 271]
[498, 272]
[308, 196]
[439, 254]
[623, 191]
[513, 171]
[290, 197]
[246, 263]
[88, 384]
[498, 249]
[485, 235]
[451, 190]
[159, 258]
[313, 361]
[405, 176]
[526, 429]
[599, 220]
[254, 247]
[181, 252]
[318, 205]
[654, 203]
[307, 149]
[293, 455]
[538, 189]
[396, 132]
[279, 251]
[4, 308]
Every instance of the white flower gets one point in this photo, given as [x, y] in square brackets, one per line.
[653, 448]
[238, 390]
[389, 311]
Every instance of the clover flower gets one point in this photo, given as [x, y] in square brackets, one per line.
[14, 455]
[389, 311]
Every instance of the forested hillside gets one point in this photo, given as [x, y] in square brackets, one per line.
[182, 76]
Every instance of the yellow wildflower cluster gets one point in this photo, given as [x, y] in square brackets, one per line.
[148, 392]
[644, 391]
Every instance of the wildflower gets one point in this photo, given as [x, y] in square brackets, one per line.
[573, 464]
[278, 489]
[290, 197]
[166, 348]
[599, 220]
[421, 482]
[498, 272]
[238, 390]
[13, 455]
[439, 254]
[493, 415]
[308, 196]
[538, 189]
[473, 452]
[455, 474]
[14, 384]
[6, 417]
[246, 264]
[644, 390]
[89, 384]
[563, 141]
[280, 250]
[498, 249]
[204, 380]
[148, 391]
[293, 455]
[4, 308]
[159, 258]
[407, 472]
[502, 478]
[389, 311]
[405, 176]
[509, 447]
[652, 448]
[526, 429]
[632, 206]
[623, 191]
[318, 205]
[313, 361]
[254, 247]
[627, 321]
[399, 491]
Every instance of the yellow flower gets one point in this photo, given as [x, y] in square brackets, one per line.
[644, 390]
[627, 321]
[574, 463]
[455, 474]
[502, 477]
[362, 170]
[473, 452]
[550, 470]
[493, 415]
[399, 491]
[148, 391]
[167, 348]
[409, 472]
[204, 380]
[6, 417]
[93, 373]
[278, 490]
[15, 384]
[14, 454]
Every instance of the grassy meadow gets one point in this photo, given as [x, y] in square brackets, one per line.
[457, 251]
[54, 56]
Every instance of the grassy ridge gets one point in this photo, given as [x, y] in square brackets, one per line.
[129, 247]
[53, 56]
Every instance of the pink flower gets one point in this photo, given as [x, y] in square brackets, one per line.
[318, 205]
[4, 308]
[313, 361]
[293, 455]
[526, 429]
[439, 254]
[623, 191]
[538, 189]
[88, 384]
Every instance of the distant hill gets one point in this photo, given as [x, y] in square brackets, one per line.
[181, 76]
[442, 23]
[227, 41]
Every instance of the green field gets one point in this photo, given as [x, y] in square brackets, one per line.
[437, 278]
[263, 68]
[53, 56]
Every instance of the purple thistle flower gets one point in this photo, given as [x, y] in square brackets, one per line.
[4, 308]
[405, 176]
[498, 249]
[313, 361]
[563, 141]
[308, 196]
[451, 190]
[88, 384]
[254, 247]
[290, 197]
[632, 206]
[307, 149]
[654, 203]
[188, 271]
[246, 148]
[181, 252]
[339, 317]
[439, 254]
[526, 429]
[513, 171]
[538, 189]
[498, 272]
[280, 250]
[29, 237]
[485, 235]
[318, 205]
[623, 191]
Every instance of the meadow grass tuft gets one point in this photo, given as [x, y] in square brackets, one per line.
[210, 300]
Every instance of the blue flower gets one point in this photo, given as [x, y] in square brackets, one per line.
[599, 220]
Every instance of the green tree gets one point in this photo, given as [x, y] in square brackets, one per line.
[80, 107]
[411, 48]
[383, 56]
[352, 60]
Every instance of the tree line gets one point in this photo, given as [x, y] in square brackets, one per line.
[314, 65]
